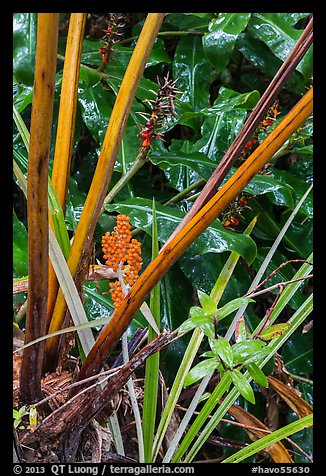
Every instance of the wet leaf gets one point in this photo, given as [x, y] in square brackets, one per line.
[274, 331]
[207, 303]
[198, 318]
[278, 34]
[222, 348]
[201, 370]
[257, 374]
[220, 41]
[242, 385]
[248, 350]
[24, 46]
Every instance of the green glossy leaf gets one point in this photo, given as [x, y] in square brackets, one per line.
[297, 353]
[220, 41]
[75, 204]
[96, 104]
[207, 303]
[187, 21]
[242, 385]
[227, 101]
[257, 53]
[20, 247]
[222, 348]
[274, 331]
[193, 71]
[196, 161]
[198, 318]
[24, 46]
[201, 370]
[299, 187]
[214, 240]
[280, 37]
[232, 306]
[23, 97]
[257, 374]
[248, 350]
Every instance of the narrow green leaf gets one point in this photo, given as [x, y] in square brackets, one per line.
[257, 374]
[200, 370]
[270, 439]
[274, 331]
[242, 385]
[207, 303]
[223, 349]
[202, 321]
[232, 306]
[152, 363]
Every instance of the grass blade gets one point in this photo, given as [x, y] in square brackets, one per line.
[152, 363]
[270, 439]
[216, 295]
[299, 316]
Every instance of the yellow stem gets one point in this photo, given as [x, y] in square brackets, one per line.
[106, 161]
[65, 130]
[37, 200]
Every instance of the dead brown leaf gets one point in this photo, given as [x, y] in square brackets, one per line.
[256, 429]
[292, 397]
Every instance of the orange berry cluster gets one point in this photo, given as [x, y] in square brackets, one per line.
[121, 250]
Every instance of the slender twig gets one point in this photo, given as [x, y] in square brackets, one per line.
[269, 312]
[140, 160]
[299, 378]
[106, 373]
[185, 192]
[275, 286]
[276, 270]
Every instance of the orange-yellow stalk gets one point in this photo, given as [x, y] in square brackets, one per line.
[104, 169]
[65, 129]
[177, 246]
[37, 200]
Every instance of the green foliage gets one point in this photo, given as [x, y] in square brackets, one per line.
[222, 66]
